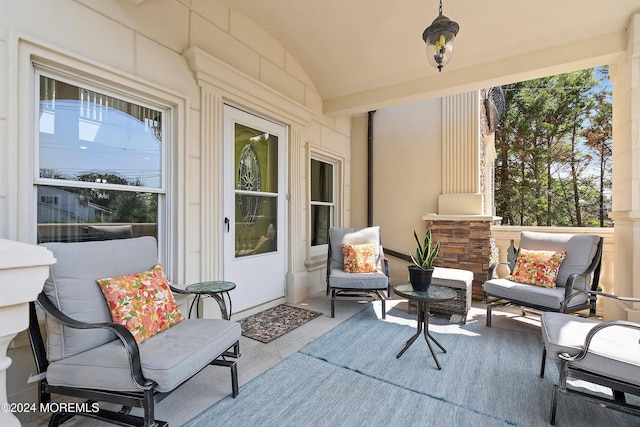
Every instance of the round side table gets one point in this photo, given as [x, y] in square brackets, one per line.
[216, 289]
[423, 299]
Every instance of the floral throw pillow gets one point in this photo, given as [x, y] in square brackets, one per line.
[359, 258]
[538, 268]
[142, 302]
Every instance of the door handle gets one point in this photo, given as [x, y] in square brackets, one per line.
[226, 221]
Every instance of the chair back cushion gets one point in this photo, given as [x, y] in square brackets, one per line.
[353, 236]
[73, 289]
[580, 249]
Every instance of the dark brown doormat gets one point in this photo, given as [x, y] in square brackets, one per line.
[275, 322]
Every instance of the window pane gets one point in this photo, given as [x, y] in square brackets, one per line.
[321, 181]
[320, 223]
[84, 133]
[256, 157]
[257, 218]
[79, 214]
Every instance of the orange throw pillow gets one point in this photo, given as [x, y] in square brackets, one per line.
[142, 302]
[538, 268]
[359, 258]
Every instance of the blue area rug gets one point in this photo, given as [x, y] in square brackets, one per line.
[350, 377]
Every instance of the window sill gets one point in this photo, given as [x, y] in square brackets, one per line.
[316, 262]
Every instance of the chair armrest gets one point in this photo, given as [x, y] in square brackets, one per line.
[596, 329]
[385, 262]
[569, 297]
[594, 269]
[568, 288]
[130, 344]
[627, 299]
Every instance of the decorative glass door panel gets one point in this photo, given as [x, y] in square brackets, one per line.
[254, 207]
[256, 191]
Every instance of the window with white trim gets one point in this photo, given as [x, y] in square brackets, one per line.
[100, 161]
[322, 203]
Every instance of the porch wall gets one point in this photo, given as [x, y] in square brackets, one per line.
[146, 45]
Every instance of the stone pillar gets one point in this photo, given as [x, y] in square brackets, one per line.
[465, 243]
[23, 270]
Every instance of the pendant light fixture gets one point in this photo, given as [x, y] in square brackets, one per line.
[439, 38]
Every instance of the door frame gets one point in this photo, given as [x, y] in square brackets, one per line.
[282, 191]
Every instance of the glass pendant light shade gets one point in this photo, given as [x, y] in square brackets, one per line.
[439, 37]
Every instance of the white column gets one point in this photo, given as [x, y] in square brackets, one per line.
[461, 193]
[211, 190]
[625, 75]
[23, 270]
[297, 289]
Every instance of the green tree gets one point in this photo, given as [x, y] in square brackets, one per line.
[551, 129]
[599, 138]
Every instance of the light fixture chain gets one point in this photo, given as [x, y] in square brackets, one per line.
[440, 9]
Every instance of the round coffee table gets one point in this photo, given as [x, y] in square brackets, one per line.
[217, 290]
[423, 299]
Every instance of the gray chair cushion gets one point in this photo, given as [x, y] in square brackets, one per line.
[613, 352]
[342, 280]
[563, 333]
[73, 289]
[168, 358]
[580, 248]
[530, 294]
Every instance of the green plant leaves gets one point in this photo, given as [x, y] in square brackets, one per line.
[426, 251]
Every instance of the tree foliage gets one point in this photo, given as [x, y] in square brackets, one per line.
[554, 151]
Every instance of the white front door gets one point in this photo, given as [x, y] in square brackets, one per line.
[254, 207]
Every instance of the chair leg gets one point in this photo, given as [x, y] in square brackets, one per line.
[333, 302]
[234, 373]
[488, 315]
[554, 405]
[149, 408]
[544, 361]
[234, 380]
[383, 300]
[560, 387]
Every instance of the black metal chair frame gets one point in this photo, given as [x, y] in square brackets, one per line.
[356, 293]
[595, 267]
[146, 398]
[567, 370]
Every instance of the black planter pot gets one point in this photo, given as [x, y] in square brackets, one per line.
[420, 279]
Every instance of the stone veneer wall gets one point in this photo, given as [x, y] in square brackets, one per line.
[467, 245]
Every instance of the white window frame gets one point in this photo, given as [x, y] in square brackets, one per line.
[104, 90]
[337, 163]
[21, 222]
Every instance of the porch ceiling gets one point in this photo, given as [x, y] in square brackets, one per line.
[367, 54]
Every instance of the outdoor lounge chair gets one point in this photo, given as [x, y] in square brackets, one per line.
[90, 356]
[578, 271]
[604, 353]
[341, 282]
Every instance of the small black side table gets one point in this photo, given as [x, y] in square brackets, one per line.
[423, 299]
[218, 290]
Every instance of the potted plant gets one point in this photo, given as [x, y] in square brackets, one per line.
[421, 271]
